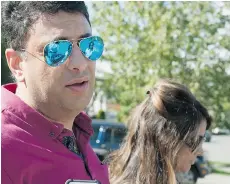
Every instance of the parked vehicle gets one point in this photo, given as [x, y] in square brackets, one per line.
[208, 136]
[107, 137]
[219, 131]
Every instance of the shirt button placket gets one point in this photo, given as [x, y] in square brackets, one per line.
[52, 134]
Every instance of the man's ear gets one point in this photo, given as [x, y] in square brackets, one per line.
[15, 62]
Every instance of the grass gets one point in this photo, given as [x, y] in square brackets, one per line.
[218, 171]
[216, 168]
[221, 164]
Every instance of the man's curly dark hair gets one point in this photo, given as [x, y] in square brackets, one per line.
[19, 16]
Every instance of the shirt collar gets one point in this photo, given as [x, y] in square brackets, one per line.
[14, 104]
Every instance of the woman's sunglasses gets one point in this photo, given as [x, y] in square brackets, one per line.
[57, 52]
[196, 146]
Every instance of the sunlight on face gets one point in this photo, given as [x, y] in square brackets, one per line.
[48, 84]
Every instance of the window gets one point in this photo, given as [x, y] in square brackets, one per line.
[119, 134]
[95, 135]
[108, 136]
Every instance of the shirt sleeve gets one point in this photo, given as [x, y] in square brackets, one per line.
[5, 177]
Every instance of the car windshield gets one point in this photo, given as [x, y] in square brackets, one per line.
[114, 135]
[96, 131]
[119, 134]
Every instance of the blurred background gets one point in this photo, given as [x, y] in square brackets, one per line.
[144, 41]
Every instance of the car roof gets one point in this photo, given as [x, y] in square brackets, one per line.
[108, 123]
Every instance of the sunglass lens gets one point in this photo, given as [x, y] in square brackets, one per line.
[92, 47]
[57, 52]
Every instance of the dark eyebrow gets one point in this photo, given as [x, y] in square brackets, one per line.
[67, 38]
[85, 35]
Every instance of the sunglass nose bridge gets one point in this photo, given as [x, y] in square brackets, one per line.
[57, 52]
[76, 45]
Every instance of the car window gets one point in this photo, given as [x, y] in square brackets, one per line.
[108, 136]
[96, 131]
[119, 134]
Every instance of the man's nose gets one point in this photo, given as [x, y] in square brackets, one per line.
[77, 61]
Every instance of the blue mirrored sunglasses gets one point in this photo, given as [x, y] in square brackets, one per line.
[57, 52]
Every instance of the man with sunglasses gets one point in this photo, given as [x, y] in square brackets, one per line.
[52, 56]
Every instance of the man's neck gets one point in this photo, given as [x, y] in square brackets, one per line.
[50, 111]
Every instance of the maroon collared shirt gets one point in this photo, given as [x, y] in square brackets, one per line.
[32, 149]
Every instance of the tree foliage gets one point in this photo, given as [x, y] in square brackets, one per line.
[185, 41]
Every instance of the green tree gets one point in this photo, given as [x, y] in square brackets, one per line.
[186, 41]
[100, 115]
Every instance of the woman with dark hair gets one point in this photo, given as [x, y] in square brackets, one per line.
[166, 133]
